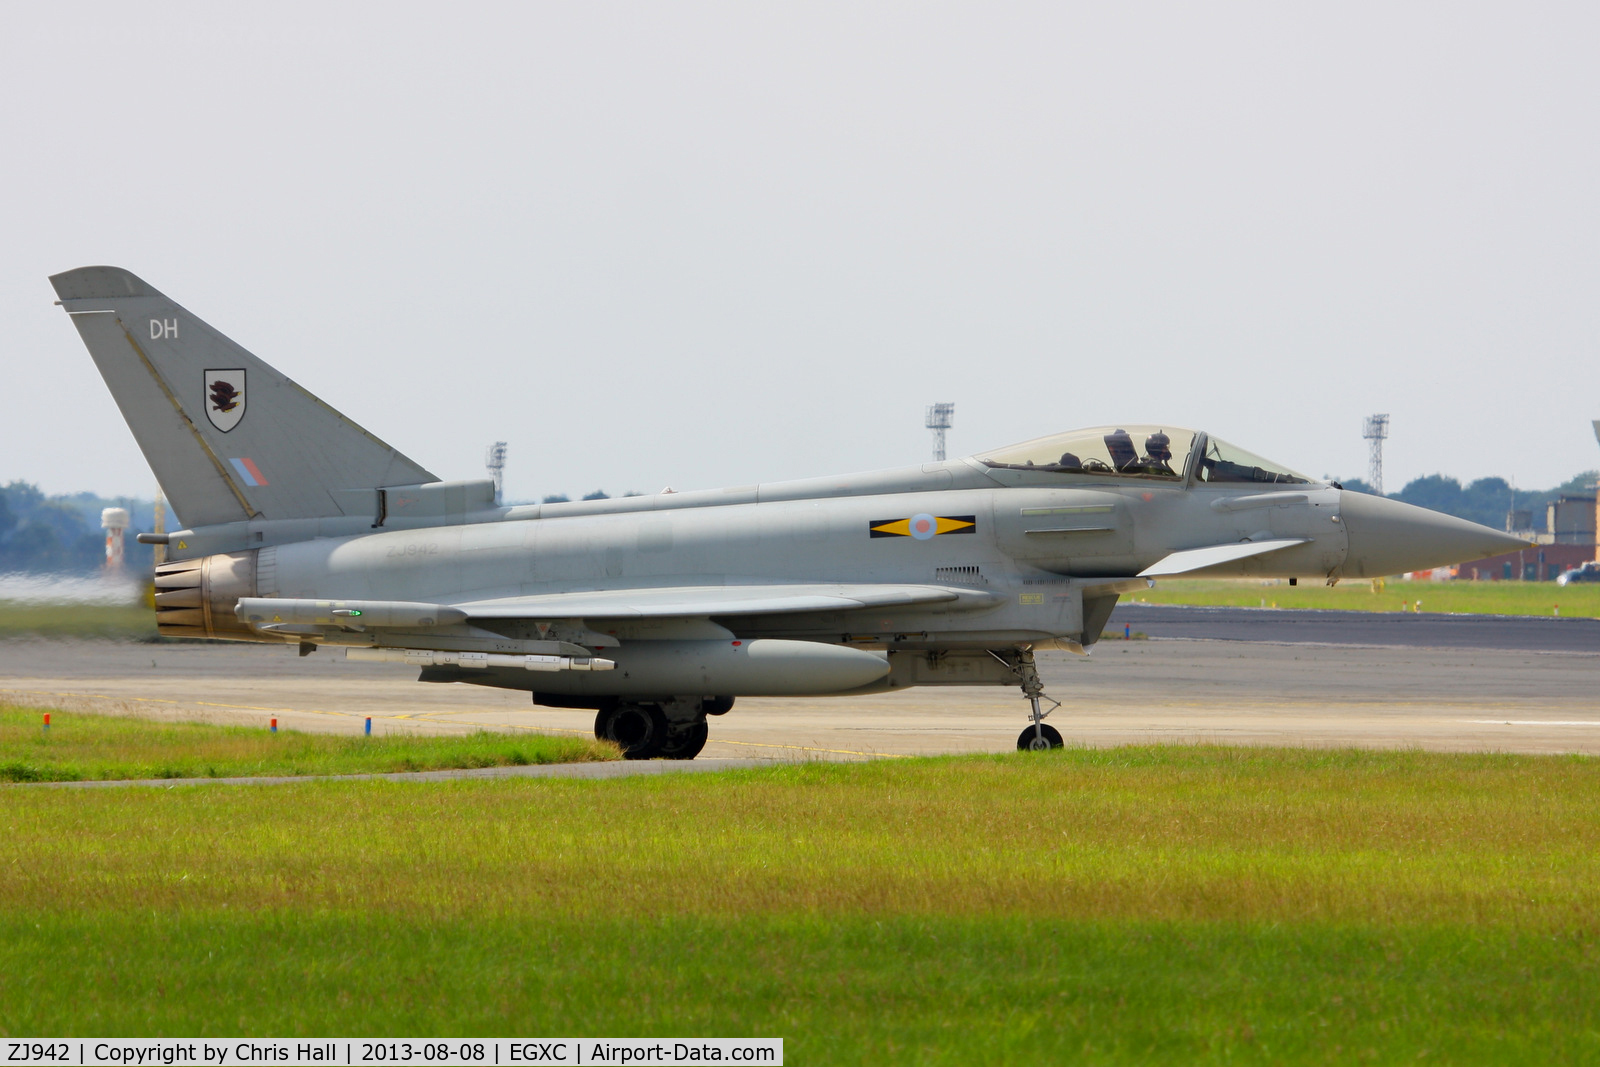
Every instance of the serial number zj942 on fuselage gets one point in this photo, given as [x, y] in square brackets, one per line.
[300, 527]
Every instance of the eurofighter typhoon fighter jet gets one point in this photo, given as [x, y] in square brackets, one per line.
[301, 527]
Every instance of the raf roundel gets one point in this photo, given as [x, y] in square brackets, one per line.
[923, 526]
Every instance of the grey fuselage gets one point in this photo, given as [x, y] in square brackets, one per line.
[1041, 545]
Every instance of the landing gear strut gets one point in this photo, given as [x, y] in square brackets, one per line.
[1038, 737]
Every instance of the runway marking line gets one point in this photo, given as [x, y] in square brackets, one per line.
[1532, 722]
[194, 703]
[810, 748]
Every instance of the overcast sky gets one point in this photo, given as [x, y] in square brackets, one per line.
[706, 245]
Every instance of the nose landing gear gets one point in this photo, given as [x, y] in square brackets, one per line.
[1037, 737]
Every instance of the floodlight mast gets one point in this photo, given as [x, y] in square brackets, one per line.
[495, 460]
[940, 418]
[1376, 430]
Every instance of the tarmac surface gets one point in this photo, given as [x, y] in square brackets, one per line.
[1388, 629]
[1236, 676]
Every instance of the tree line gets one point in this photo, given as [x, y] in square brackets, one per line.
[61, 534]
[1487, 500]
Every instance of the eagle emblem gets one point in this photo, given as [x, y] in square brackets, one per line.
[225, 398]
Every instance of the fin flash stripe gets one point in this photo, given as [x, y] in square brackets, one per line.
[249, 472]
[923, 526]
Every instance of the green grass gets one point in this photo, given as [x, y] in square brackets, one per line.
[79, 747]
[1158, 904]
[1479, 598]
[120, 622]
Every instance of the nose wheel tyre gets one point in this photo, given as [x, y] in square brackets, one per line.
[640, 729]
[1039, 738]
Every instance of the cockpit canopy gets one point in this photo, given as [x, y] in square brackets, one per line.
[1134, 451]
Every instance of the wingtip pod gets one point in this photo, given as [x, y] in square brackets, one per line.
[99, 283]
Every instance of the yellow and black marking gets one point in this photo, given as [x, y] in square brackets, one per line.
[923, 527]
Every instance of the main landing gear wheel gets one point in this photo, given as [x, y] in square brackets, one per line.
[685, 740]
[640, 729]
[1039, 738]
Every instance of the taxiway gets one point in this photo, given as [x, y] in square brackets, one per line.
[1272, 681]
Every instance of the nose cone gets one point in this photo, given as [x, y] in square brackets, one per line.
[1388, 537]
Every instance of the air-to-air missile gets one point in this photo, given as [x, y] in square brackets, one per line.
[302, 528]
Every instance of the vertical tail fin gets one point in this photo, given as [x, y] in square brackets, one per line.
[228, 437]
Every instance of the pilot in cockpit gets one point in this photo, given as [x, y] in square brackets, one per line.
[1157, 454]
[1157, 458]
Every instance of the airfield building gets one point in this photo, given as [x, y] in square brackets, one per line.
[1537, 563]
[1570, 520]
[1567, 540]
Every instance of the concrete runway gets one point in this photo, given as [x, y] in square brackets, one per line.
[1272, 687]
[1393, 629]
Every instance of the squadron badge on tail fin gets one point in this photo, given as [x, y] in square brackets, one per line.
[225, 399]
